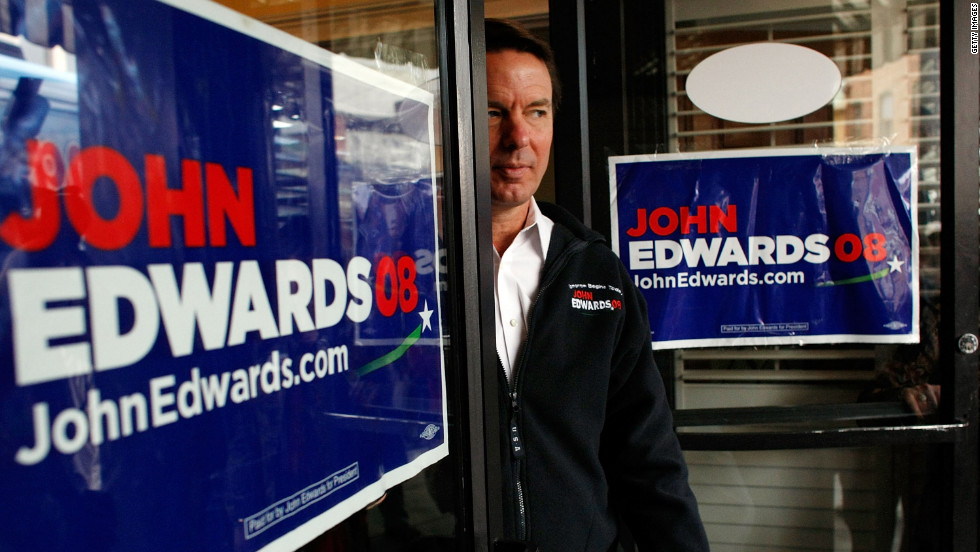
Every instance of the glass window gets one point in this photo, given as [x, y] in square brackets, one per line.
[888, 56]
[828, 499]
[398, 40]
[868, 499]
[393, 38]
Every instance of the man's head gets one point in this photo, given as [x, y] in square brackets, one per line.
[506, 35]
[395, 217]
[521, 97]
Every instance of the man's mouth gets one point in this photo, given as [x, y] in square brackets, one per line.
[512, 171]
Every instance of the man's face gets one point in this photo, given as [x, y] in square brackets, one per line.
[521, 118]
[394, 219]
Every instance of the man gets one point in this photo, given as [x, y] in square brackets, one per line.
[587, 436]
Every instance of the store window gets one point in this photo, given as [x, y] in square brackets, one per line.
[855, 499]
[347, 123]
[400, 41]
[888, 57]
[800, 446]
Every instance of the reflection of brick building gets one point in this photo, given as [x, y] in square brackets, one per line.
[889, 61]
[884, 94]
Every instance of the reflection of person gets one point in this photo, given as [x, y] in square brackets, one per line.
[386, 224]
[906, 375]
[392, 224]
[395, 220]
[22, 120]
[585, 426]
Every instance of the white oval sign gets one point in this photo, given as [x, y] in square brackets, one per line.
[763, 83]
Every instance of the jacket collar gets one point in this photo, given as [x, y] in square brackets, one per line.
[568, 236]
[568, 220]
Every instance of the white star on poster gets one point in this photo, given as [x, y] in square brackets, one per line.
[426, 315]
[895, 264]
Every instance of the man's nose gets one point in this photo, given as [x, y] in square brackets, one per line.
[517, 133]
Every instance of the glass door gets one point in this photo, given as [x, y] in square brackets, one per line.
[425, 45]
[836, 446]
[330, 380]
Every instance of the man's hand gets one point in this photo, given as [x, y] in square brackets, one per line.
[922, 399]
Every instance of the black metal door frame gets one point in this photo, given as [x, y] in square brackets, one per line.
[468, 248]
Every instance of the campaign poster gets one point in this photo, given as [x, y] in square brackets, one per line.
[766, 247]
[220, 323]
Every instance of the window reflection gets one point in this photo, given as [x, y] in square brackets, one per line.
[861, 499]
[888, 56]
[382, 189]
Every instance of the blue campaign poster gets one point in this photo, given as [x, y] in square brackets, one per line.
[767, 247]
[220, 322]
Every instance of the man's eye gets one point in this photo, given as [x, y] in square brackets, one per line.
[491, 113]
[539, 113]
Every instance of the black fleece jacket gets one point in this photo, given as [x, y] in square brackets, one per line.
[586, 428]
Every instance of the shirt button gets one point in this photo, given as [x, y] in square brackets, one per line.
[513, 322]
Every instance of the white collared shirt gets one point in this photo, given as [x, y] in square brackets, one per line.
[516, 277]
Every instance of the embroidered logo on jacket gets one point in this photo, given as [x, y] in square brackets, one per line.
[594, 298]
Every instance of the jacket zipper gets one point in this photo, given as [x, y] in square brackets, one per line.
[517, 444]
[517, 450]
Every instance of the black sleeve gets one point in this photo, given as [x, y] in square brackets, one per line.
[648, 477]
